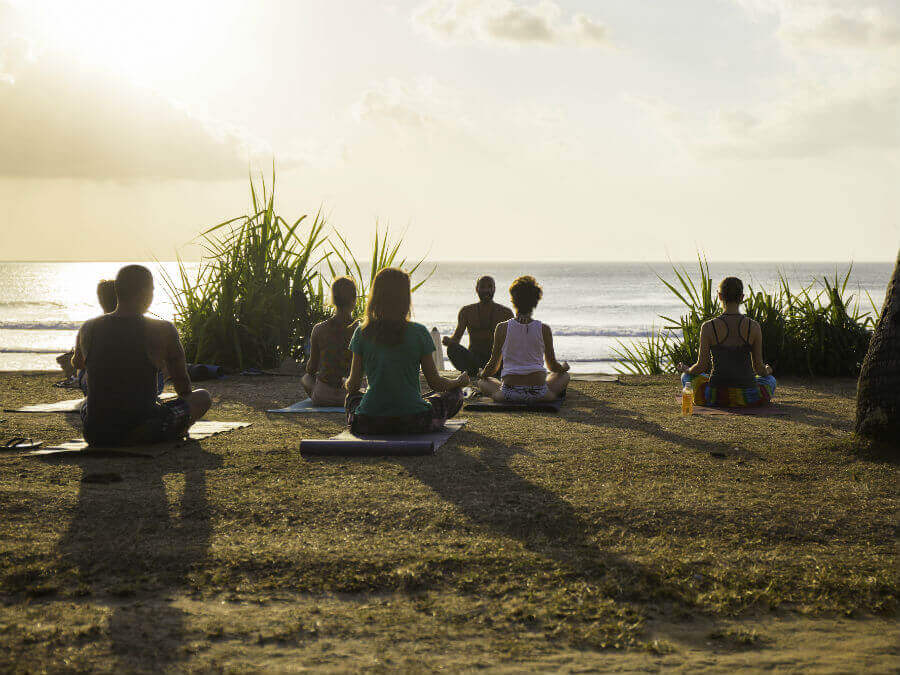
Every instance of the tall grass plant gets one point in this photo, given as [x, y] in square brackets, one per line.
[263, 283]
[818, 329]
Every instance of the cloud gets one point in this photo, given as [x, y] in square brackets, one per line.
[833, 24]
[421, 104]
[865, 30]
[507, 22]
[840, 93]
[61, 120]
[393, 102]
[813, 123]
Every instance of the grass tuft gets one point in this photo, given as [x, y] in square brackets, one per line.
[816, 330]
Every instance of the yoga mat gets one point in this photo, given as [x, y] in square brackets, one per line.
[306, 407]
[770, 410]
[594, 377]
[72, 405]
[349, 444]
[198, 372]
[489, 405]
[198, 431]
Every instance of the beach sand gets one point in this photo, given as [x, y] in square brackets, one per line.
[614, 536]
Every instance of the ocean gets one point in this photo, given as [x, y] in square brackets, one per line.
[590, 306]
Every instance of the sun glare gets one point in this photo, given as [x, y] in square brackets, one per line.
[145, 42]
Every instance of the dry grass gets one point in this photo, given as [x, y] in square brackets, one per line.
[537, 540]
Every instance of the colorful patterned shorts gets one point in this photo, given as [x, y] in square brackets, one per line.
[444, 405]
[520, 393]
[730, 397]
[167, 421]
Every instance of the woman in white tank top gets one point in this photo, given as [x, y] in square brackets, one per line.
[525, 345]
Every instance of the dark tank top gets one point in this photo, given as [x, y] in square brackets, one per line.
[732, 365]
[122, 381]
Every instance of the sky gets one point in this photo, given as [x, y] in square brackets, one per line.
[757, 130]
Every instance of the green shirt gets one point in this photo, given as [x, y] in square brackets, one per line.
[393, 372]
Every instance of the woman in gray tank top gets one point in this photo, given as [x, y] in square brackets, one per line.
[730, 371]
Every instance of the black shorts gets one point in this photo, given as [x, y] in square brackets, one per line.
[166, 421]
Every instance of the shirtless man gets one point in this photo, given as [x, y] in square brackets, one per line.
[106, 295]
[480, 320]
[123, 352]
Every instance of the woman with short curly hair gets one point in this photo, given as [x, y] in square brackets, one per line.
[524, 344]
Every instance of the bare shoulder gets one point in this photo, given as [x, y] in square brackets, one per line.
[545, 329]
[161, 330]
[89, 324]
[706, 328]
[468, 311]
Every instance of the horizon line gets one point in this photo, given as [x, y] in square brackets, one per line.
[501, 262]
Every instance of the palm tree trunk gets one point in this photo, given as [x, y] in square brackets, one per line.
[878, 393]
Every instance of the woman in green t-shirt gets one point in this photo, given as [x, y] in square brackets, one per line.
[388, 349]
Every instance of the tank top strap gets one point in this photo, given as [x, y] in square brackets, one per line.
[715, 328]
[747, 338]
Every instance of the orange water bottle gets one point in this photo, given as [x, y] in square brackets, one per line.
[687, 400]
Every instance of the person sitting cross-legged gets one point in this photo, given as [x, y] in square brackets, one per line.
[329, 352]
[106, 296]
[730, 371]
[123, 352]
[389, 350]
[480, 320]
[524, 344]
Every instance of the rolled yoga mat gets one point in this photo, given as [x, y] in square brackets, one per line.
[204, 371]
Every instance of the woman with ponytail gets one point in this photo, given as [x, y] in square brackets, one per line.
[389, 349]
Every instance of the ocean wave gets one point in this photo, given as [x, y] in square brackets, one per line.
[29, 350]
[446, 329]
[29, 303]
[613, 332]
[40, 325]
[574, 331]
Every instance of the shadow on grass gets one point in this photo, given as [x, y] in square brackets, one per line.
[484, 486]
[126, 540]
[604, 415]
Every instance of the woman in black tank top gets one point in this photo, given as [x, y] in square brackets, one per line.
[730, 371]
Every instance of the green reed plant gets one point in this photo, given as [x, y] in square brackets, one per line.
[263, 283]
[647, 357]
[816, 330]
[386, 252]
[257, 292]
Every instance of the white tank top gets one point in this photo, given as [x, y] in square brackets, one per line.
[523, 349]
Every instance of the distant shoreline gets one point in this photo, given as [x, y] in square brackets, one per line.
[693, 261]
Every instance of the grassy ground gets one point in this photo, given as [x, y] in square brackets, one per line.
[615, 535]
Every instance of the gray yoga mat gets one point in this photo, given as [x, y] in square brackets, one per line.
[489, 405]
[349, 444]
[72, 405]
[306, 407]
[198, 431]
